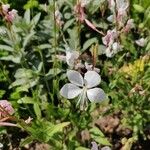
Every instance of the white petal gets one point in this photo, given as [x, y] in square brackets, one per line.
[110, 18]
[75, 77]
[96, 95]
[92, 79]
[70, 91]
[109, 52]
[71, 56]
[141, 42]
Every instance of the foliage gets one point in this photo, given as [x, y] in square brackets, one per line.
[47, 41]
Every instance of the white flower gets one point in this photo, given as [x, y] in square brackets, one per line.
[71, 57]
[110, 37]
[113, 49]
[83, 87]
[141, 42]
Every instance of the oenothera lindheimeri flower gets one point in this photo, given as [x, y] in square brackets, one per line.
[83, 88]
[110, 41]
[70, 58]
[5, 107]
[113, 49]
[110, 37]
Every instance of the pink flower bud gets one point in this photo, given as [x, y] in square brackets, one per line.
[130, 25]
[79, 12]
[5, 8]
[11, 15]
[58, 17]
[7, 107]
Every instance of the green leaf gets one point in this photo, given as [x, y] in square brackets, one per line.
[31, 4]
[27, 16]
[44, 131]
[35, 19]
[138, 8]
[53, 71]
[6, 48]
[28, 39]
[57, 128]
[74, 38]
[37, 110]
[96, 131]
[26, 100]
[102, 140]
[68, 24]
[98, 136]
[15, 59]
[27, 140]
[89, 42]
[23, 73]
[2, 92]
[44, 46]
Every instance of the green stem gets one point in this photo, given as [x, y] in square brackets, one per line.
[44, 72]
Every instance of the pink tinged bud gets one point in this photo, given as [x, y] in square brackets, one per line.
[91, 25]
[130, 25]
[122, 8]
[7, 107]
[79, 12]
[58, 17]
[121, 17]
[5, 8]
[11, 15]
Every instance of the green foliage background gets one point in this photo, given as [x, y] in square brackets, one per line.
[31, 76]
